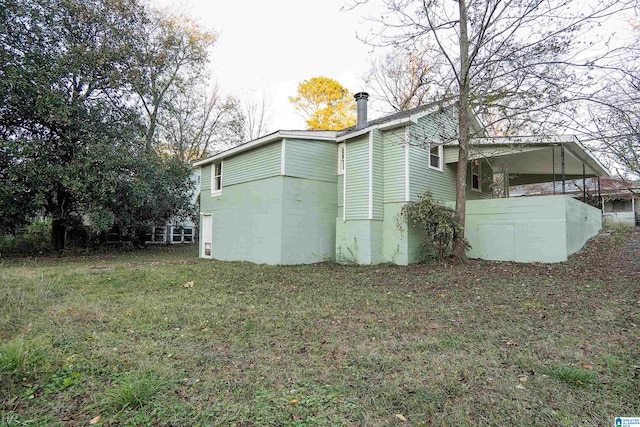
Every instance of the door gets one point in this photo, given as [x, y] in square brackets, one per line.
[207, 235]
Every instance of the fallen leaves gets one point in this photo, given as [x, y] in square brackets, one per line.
[95, 420]
[189, 284]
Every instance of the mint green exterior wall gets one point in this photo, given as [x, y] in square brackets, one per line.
[308, 231]
[583, 222]
[359, 241]
[529, 229]
[265, 217]
[247, 221]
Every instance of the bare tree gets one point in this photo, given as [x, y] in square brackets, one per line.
[200, 122]
[401, 78]
[256, 117]
[509, 61]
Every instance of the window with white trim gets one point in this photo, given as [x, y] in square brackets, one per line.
[476, 183]
[341, 158]
[435, 156]
[216, 178]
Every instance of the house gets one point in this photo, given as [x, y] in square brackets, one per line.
[618, 199]
[621, 202]
[177, 230]
[295, 197]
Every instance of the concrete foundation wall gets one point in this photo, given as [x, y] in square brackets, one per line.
[529, 229]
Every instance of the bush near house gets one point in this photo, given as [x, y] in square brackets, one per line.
[163, 338]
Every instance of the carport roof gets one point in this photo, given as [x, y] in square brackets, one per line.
[535, 159]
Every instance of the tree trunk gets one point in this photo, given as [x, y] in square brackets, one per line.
[463, 132]
[58, 229]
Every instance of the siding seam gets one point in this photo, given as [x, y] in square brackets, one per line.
[370, 174]
[344, 187]
[282, 157]
[407, 192]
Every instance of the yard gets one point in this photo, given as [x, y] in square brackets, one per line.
[162, 338]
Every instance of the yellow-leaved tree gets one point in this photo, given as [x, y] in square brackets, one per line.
[325, 104]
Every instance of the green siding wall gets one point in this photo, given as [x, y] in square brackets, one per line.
[441, 126]
[311, 159]
[486, 178]
[357, 176]
[340, 196]
[393, 171]
[378, 177]
[205, 177]
[256, 164]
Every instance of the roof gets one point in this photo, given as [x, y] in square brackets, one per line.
[503, 150]
[386, 122]
[318, 135]
[419, 111]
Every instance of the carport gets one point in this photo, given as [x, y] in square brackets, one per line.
[532, 229]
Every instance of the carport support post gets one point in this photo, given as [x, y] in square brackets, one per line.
[553, 167]
[562, 167]
[584, 185]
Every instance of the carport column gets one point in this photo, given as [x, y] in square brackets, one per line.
[562, 167]
[505, 181]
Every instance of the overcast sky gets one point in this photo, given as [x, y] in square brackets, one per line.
[270, 46]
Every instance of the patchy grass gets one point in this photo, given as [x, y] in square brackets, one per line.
[121, 338]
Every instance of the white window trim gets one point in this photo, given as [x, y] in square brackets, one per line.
[217, 192]
[440, 157]
[341, 163]
[479, 189]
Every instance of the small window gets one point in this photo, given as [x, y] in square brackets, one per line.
[341, 158]
[475, 175]
[216, 178]
[435, 156]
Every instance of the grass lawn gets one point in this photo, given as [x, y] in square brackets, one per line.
[162, 338]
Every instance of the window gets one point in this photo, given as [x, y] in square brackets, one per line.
[475, 175]
[341, 158]
[435, 156]
[216, 178]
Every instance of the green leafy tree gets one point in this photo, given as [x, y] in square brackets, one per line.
[71, 143]
[171, 55]
[325, 104]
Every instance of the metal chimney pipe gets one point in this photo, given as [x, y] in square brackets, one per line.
[361, 103]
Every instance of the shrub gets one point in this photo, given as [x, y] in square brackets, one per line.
[437, 222]
[39, 234]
